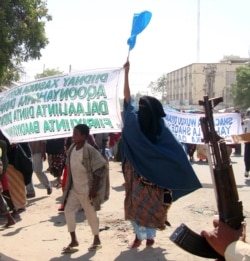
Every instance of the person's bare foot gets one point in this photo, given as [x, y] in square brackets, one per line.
[96, 240]
[96, 244]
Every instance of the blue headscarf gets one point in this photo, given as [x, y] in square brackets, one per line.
[162, 162]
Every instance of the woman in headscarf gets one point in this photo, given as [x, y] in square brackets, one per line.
[15, 178]
[4, 186]
[155, 166]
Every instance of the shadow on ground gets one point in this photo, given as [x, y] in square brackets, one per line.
[146, 254]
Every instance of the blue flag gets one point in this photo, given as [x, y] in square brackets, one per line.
[140, 22]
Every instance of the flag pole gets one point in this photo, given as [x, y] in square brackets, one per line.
[128, 55]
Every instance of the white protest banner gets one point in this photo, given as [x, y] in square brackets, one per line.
[186, 126]
[51, 107]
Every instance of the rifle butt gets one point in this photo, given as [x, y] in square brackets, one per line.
[193, 243]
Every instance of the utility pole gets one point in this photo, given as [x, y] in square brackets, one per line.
[198, 31]
[210, 72]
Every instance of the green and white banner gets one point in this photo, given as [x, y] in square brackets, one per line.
[51, 107]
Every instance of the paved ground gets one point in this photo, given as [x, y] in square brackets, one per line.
[42, 233]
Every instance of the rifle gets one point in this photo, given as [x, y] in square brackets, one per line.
[229, 207]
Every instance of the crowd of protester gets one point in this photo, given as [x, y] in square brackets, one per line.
[80, 166]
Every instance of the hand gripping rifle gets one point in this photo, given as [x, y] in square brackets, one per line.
[230, 209]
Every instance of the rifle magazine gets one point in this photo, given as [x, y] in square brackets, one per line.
[193, 243]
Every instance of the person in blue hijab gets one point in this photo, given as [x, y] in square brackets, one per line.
[155, 166]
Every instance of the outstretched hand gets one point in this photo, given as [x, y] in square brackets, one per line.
[223, 235]
[126, 66]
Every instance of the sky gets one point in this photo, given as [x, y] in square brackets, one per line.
[92, 34]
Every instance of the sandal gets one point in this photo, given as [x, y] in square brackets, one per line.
[150, 242]
[95, 247]
[69, 249]
[61, 208]
[135, 244]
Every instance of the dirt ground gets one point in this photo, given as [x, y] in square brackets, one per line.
[42, 233]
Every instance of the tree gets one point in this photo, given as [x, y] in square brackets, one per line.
[47, 73]
[22, 34]
[160, 86]
[11, 75]
[241, 89]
